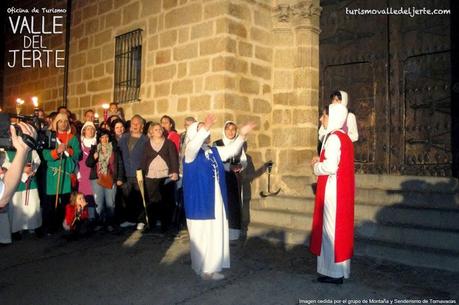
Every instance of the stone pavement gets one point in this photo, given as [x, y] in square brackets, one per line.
[134, 268]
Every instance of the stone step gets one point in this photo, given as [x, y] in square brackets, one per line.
[292, 204]
[410, 198]
[428, 192]
[420, 199]
[278, 234]
[408, 236]
[396, 234]
[414, 256]
[412, 220]
[402, 215]
[408, 183]
[446, 185]
[280, 218]
[399, 215]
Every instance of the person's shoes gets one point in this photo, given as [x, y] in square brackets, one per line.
[164, 230]
[98, 228]
[234, 243]
[330, 280]
[110, 229]
[216, 276]
[70, 237]
[39, 232]
[127, 224]
[16, 236]
[140, 226]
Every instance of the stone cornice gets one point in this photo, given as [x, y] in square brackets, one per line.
[299, 14]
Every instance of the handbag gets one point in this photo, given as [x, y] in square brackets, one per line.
[105, 180]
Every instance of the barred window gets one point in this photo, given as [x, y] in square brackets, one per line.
[128, 64]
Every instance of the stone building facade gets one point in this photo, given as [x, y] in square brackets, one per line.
[258, 60]
[244, 60]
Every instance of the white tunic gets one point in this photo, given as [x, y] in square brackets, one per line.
[5, 228]
[25, 215]
[326, 261]
[209, 239]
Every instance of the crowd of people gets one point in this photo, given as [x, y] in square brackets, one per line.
[120, 174]
[88, 180]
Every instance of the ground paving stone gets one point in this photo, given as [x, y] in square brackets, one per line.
[134, 268]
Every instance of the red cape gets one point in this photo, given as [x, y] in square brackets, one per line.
[344, 227]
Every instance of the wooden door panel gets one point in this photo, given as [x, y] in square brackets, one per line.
[397, 71]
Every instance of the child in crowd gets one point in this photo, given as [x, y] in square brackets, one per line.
[76, 215]
[115, 110]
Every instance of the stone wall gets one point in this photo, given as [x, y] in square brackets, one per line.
[295, 93]
[244, 60]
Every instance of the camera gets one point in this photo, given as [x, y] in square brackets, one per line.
[45, 138]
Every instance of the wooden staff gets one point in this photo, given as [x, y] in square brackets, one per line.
[58, 180]
[139, 177]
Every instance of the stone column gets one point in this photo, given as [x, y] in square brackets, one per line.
[295, 92]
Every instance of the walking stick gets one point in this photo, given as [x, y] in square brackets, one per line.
[139, 177]
[58, 180]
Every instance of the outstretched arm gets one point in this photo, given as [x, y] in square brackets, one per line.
[231, 149]
[192, 148]
[235, 147]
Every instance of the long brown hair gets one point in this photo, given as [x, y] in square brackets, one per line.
[74, 197]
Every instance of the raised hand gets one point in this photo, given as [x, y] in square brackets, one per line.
[209, 121]
[247, 128]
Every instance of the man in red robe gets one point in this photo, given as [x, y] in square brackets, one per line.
[332, 236]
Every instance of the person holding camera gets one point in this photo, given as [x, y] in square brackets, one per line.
[60, 172]
[12, 177]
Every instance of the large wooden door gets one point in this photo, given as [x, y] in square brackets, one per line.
[396, 70]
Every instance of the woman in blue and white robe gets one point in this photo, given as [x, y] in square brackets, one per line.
[205, 198]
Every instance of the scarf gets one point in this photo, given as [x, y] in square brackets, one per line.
[225, 139]
[104, 158]
[88, 142]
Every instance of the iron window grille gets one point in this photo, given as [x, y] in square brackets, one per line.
[128, 66]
